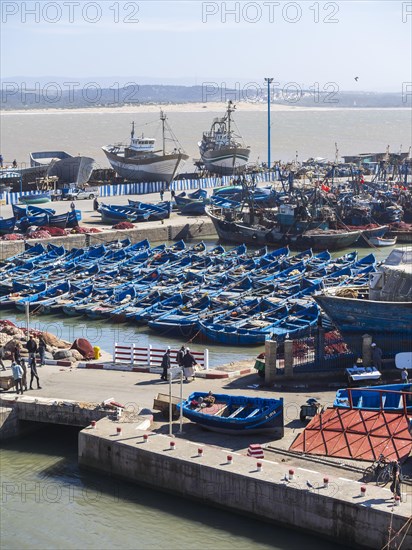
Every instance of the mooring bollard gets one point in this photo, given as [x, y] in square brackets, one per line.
[363, 490]
[172, 445]
[291, 474]
[145, 438]
[200, 452]
[259, 466]
[229, 459]
[326, 482]
[118, 430]
[93, 424]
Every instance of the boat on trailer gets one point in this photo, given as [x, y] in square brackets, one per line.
[235, 414]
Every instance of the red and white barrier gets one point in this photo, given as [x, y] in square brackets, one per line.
[150, 357]
[255, 451]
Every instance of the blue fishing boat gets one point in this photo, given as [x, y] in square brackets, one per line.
[235, 414]
[192, 204]
[36, 197]
[7, 225]
[115, 214]
[30, 210]
[388, 398]
[157, 212]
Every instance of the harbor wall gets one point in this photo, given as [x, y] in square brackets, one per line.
[24, 414]
[186, 229]
[239, 487]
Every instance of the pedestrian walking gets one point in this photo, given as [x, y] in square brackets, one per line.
[376, 356]
[42, 350]
[34, 374]
[179, 356]
[405, 378]
[17, 373]
[172, 193]
[165, 364]
[16, 355]
[162, 192]
[24, 377]
[189, 363]
[396, 488]
[2, 353]
[72, 207]
[95, 205]
[32, 348]
[1, 161]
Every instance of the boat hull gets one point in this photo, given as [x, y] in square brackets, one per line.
[226, 161]
[147, 169]
[389, 323]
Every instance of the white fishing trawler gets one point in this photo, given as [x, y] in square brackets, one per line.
[221, 150]
[140, 161]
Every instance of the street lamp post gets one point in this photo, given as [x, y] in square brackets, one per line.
[269, 82]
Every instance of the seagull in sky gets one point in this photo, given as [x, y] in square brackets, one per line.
[356, 78]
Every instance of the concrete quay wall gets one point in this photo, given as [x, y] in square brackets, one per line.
[16, 413]
[187, 228]
[337, 512]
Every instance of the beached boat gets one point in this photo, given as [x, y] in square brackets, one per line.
[7, 225]
[192, 204]
[36, 197]
[139, 161]
[221, 150]
[236, 414]
[389, 398]
[114, 214]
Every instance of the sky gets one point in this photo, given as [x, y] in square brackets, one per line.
[192, 42]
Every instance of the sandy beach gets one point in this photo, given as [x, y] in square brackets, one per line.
[213, 106]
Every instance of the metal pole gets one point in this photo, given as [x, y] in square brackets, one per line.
[170, 403]
[269, 82]
[181, 401]
[27, 311]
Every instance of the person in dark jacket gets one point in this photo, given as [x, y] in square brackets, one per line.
[179, 356]
[165, 364]
[188, 365]
[32, 349]
[42, 350]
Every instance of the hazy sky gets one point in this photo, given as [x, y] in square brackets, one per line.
[190, 42]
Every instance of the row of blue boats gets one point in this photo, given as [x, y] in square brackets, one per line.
[234, 296]
[30, 215]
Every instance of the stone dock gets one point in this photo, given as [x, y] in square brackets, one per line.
[331, 505]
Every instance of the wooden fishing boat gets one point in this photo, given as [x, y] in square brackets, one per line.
[7, 225]
[380, 241]
[115, 214]
[235, 414]
[388, 398]
[157, 212]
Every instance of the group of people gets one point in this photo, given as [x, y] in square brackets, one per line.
[18, 363]
[184, 359]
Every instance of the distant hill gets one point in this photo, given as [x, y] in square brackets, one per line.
[92, 96]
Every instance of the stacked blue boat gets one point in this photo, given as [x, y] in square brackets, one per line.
[233, 297]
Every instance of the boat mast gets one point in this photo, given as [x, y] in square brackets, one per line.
[132, 132]
[229, 111]
[163, 119]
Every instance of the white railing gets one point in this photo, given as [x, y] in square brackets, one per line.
[135, 356]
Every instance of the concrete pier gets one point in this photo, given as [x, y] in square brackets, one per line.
[276, 492]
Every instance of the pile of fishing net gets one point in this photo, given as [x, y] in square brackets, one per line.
[334, 344]
[53, 231]
[12, 237]
[123, 225]
[347, 292]
[84, 230]
[38, 234]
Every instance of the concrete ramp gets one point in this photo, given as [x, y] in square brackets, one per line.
[356, 434]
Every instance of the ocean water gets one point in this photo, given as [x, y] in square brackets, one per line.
[306, 133]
